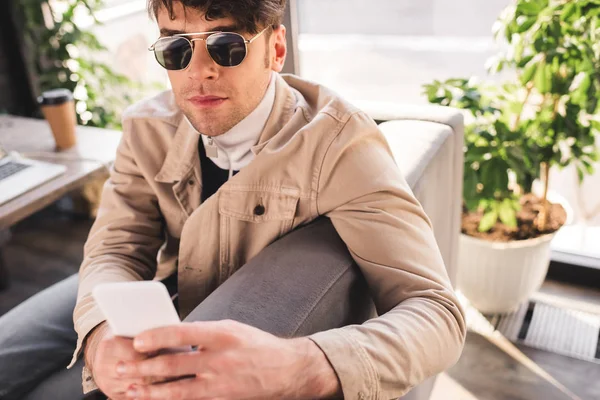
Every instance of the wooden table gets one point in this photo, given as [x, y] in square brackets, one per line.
[94, 153]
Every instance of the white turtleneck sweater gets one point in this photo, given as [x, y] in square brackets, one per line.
[234, 146]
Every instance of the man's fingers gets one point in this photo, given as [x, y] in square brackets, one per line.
[117, 388]
[210, 335]
[165, 366]
[183, 389]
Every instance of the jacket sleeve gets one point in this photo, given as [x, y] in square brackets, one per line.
[125, 239]
[420, 330]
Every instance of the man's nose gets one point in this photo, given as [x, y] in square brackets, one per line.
[202, 66]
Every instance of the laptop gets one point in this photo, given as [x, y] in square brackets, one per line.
[20, 175]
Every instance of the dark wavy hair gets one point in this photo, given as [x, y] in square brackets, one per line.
[250, 16]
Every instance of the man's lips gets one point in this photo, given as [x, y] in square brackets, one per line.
[207, 101]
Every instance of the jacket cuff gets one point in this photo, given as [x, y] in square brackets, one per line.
[87, 324]
[90, 323]
[351, 363]
[87, 379]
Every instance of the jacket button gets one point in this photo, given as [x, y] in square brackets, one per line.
[259, 210]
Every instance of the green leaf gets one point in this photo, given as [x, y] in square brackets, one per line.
[472, 204]
[543, 80]
[529, 72]
[568, 11]
[494, 176]
[507, 213]
[488, 221]
[594, 156]
[589, 168]
[526, 25]
[524, 61]
[580, 174]
[470, 184]
[584, 85]
[528, 8]
[484, 204]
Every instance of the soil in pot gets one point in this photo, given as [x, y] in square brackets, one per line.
[526, 228]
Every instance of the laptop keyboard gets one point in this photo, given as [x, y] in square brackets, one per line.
[11, 168]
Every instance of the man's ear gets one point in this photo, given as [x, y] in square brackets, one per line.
[278, 45]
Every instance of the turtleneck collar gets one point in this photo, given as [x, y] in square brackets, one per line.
[234, 146]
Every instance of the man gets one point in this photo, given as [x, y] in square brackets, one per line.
[207, 176]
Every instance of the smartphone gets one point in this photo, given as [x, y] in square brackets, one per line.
[131, 308]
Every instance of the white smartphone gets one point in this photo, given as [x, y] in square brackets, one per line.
[131, 308]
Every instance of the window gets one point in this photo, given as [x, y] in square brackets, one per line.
[385, 50]
[379, 50]
[127, 32]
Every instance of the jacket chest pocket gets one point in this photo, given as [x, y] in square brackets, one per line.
[250, 220]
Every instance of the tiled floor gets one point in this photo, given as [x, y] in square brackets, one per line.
[48, 247]
[486, 372]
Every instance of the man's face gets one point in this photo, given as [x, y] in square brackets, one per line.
[216, 98]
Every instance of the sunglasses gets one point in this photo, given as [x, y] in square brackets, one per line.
[227, 49]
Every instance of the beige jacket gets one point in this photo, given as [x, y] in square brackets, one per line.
[317, 155]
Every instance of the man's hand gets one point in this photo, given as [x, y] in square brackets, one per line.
[104, 353]
[233, 361]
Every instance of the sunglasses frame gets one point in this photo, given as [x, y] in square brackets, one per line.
[205, 40]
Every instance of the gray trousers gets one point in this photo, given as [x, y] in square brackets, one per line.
[304, 283]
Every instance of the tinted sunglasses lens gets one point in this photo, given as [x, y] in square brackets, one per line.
[173, 53]
[227, 49]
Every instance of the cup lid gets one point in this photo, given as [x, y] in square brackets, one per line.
[55, 97]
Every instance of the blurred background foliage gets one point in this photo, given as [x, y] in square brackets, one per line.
[63, 54]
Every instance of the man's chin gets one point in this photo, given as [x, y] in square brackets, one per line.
[213, 123]
[207, 124]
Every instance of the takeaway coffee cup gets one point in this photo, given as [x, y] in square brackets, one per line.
[58, 108]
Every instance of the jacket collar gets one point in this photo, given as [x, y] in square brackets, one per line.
[183, 154]
[283, 110]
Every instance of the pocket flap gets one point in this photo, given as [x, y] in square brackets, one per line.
[259, 205]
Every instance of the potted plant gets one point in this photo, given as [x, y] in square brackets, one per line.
[515, 133]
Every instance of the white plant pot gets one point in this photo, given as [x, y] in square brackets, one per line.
[497, 277]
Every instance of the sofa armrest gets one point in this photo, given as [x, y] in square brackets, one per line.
[427, 144]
